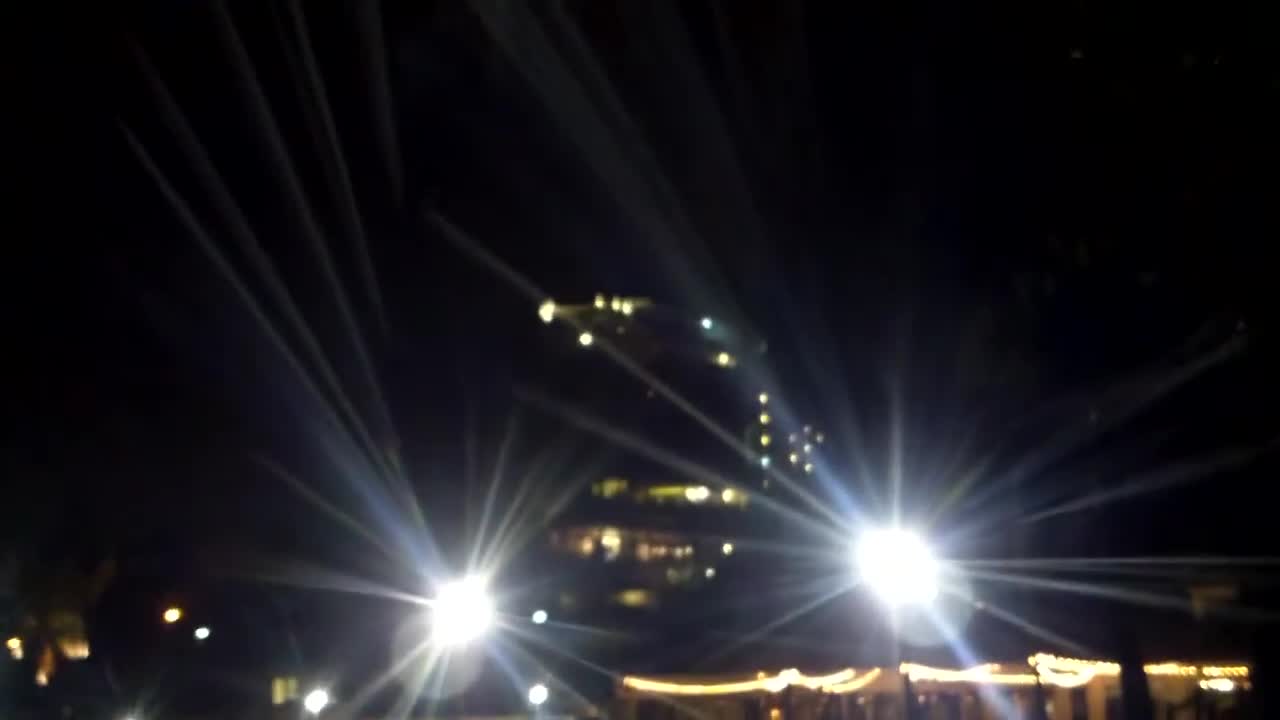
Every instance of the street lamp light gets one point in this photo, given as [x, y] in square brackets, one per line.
[898, 566]
[202, 633]
[316, 701]
[538, 694]
[539, 617]
[462, 611]
[172, 615]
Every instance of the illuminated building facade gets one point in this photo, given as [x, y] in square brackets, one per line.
[694, 435]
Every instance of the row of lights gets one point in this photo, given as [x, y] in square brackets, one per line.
[766, 439]
[848, 680]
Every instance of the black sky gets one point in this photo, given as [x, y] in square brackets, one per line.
[1030, 221]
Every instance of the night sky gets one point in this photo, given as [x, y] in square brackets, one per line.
[1039, 239]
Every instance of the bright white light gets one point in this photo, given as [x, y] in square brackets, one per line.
[538, 694]
[710, 572]
[765, 462]
[1218, 685]
[202, 633]
[462, 612]
[547, 311]
[727, 548]
[697, 493]
[316, 701]
[538, 617]
[707, 323]
[585, 339]
[897, 566]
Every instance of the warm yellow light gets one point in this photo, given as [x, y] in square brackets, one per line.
[634, 598]
[697, 493]
[1218, 685]
[835, 682]
[727, 495]
[727, 548]
[764, 418]
[1228, 671]
[14, 643]
[794, 458]
[172, 615]
[626, 307]
[724, 359]
[765, 439]
[615, 304]
[764, 398]
[808, 468]
[585, 339]
[599, 301]
[855, 684]
[547, 310]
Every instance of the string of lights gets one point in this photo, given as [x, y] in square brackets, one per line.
[1049, 670]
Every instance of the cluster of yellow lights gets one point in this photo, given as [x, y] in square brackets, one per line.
[15, 647]
[1049, 670]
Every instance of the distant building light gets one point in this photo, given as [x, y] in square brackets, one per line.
[808, 429]
[710, 573]
[765, 439]
[707, 323]
[15, 647]
[808, 448]
[547, 311]
[599, 301]
[611, 541]
[724, 359]
[764, 418]
[626, 308]
[1222, 685]
[765, 461]
[635, 597]
[615, 304]
[202, 633]
[819, 437]
[538, 617]
[794, 458]
[283, 689]
[697, 493]
[727, 495]
[764, 398]
[585, 339]
[727, 548]
[172, 615]
[808, 468]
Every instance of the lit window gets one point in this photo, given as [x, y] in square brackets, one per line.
[765, 439]
[586, 546]
[727, 548]
[764, 418]
[626, 308]
[794, 458]
[615, 304]
[727, 495]
[599, 301]
[611, 541]
[283, 689]
[547, 311]
[634, 597]
[764, 398]
[585, 339]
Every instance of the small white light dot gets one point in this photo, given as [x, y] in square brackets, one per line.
[538, 617]
[707, 323]
[538, 694]
[202, 633]
[585, 339]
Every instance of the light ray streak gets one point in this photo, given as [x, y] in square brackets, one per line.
[1136, 597]
[499, 468]
[335, 163]
[327, 507]
[787, 618]
[1020, 622]
[375, 46]
[303, 215]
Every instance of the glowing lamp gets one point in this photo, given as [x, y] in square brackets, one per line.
[897, 566]
[462, 611]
